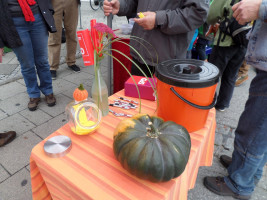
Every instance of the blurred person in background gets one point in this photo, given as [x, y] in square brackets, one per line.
[66, 13]
[168, 26]
[24, 26]
[245, 167]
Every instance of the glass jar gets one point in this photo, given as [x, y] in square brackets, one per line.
[84, 117]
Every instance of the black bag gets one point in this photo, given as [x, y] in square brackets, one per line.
[232, 28]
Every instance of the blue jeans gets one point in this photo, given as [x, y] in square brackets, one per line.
[228, 60]
[33, 55]
[250, 146]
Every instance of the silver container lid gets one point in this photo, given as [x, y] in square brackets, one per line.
[57, 146]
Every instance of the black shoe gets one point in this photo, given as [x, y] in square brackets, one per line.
[218, 186]
[7, 137]
[53, 74]
[225, 160]
[75, 68]
[221, 109]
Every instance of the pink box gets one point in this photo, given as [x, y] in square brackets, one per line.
[145, 89]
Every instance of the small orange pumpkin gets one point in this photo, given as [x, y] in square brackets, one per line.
[80, 93]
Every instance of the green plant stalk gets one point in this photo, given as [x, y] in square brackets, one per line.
[139, 96]
[154, 89]
[138, 55]
[97, 69]
[97, 58]
[135, 38]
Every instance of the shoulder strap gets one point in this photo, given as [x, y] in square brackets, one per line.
[233, 2]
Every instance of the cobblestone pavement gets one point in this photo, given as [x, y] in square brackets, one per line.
[33, 127]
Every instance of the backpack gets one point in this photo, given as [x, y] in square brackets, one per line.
[229, 26]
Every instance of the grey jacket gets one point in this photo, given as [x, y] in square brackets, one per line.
[176, 22]
[257, 52]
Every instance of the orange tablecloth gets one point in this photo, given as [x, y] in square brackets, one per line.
[90, 170]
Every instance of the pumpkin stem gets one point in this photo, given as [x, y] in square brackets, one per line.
[81, 87]
[152, 131]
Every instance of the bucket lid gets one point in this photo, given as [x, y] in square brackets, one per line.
[188, 73]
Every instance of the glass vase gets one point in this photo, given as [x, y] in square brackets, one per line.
[99, 89]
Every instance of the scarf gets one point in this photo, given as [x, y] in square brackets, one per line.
[27, 12]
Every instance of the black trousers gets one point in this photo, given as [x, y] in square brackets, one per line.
[228, 60]
[137, 72]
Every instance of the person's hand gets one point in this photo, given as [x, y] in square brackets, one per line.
[1, 54]
[111, 7]
[148, 21]
[246, 11]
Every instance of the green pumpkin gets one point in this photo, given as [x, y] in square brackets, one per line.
[150, 148]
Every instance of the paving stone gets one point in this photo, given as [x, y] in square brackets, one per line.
[16, 154]
[3, 174]
[16, 123]
[60, 85]
[232, 133]
[37, 117]
[21, 81]
[218, 139]
[8, 57]
[58, 109]
[7, 69]
[229, 144]
[79, 78]
[13, 105]
[3, 114]
[14, 60]
[51, 126]
[11, 90]
[17, 187]
[28, 167]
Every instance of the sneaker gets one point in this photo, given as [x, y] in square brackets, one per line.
[33, 103]
[218, 186]
[53, 74]
[240, 80]
[75, 68]
[50, 100]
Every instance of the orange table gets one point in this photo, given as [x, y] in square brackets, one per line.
[90, 170]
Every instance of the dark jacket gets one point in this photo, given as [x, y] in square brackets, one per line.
[47, 12]
[8, 34]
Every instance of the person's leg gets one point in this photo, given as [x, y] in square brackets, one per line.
[25, 57]
[54, 41]
[250, 147]
[201, 48]
[259, 171]
[219, 57]
[236, 55]
[70, 25]
[39, 38]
